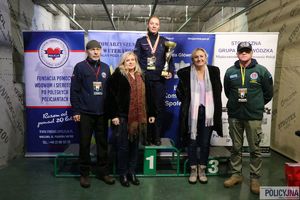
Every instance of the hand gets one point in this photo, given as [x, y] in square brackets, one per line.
[168, 76]
[76, 118]
[151, 120]
[116, 121]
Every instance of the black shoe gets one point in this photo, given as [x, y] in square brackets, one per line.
[146, 143]
[157, 142]
[108, 179]
[133, 179]
[124, 181]
[85, 181]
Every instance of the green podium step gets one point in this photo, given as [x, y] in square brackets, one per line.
[66, 164]
[217, 162]
[164, 160]
[150, 158]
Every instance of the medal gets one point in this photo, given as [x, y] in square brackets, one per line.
[151, 60]
[151, 63]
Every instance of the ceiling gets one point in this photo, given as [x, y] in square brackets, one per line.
[175, 15]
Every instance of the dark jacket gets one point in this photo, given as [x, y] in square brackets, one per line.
[143, 51]
[119, 95]
[259, 84]
[183, 93]
[82, 95]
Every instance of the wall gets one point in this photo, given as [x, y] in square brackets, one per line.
[11, 93]
[283, 17]
[239, 24]
[16, 16]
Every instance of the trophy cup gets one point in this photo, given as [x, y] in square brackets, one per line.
[170, 45]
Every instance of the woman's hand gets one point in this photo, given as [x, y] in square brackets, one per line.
[151, 120]
[168, 76]
[76, 118]
[116, 121]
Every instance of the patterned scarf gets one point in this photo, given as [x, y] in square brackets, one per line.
[137, 118]
[195, 101]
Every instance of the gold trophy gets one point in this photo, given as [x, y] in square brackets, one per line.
[170, 45]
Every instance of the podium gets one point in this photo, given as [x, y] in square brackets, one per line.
[66, 164]
[150, 158]
[217, 162]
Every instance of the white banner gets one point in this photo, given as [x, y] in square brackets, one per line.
[49, 60]
[264, 51]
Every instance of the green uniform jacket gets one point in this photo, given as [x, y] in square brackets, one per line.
[259, 84]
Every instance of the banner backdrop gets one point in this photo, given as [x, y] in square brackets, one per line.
[264, 51]
[115, 43]
[51, 56]
[49, 59]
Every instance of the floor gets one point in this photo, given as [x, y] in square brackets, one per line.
[33, 179]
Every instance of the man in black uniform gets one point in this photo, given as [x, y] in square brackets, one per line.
[88, 92]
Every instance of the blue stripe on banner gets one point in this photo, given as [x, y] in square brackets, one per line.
[33, 40]
[186, 43]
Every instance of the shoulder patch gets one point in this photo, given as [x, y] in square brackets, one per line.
[233, 76]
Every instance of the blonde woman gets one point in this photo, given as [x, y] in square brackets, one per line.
[199, 90]
[127, 105]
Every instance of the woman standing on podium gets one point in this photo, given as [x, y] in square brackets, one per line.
[151, 52]
[199, 90]
[127, 105]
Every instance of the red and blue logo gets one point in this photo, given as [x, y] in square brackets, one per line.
[53, 53]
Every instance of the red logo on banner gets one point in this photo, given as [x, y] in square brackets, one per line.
[53, 53]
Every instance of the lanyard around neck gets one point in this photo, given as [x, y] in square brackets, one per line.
[92, 68]
[243, 73]
[153, 48]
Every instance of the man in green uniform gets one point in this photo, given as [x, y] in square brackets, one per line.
[248, 87]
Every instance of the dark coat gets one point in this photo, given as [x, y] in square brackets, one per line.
[118, 92]
[259, 84]
[143, 51]
[183, 93]
[82, 95]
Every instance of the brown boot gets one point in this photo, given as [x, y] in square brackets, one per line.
[233, 180]
[193, 175]
[85, 181]
[108, 179]
[201, 174]
[254, 186]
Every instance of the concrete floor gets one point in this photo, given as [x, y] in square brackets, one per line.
[33, 179]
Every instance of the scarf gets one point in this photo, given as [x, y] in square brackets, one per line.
[137, 119]
[195, 101]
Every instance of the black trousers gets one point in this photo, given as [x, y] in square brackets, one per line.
[97, 125]
[156, 93]
[127, 151]
[202, 140]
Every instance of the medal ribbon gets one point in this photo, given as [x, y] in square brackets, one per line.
[153, 49]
